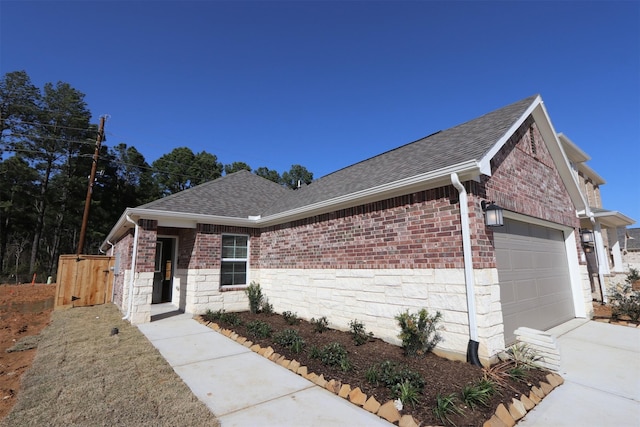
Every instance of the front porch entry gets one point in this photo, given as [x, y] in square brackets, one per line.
[163, 271]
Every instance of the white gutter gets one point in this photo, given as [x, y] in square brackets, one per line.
[599, 246]
[113, 287]
[468, 170]
[133, 267]
[472, 349]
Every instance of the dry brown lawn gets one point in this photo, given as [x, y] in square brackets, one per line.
[83, 375]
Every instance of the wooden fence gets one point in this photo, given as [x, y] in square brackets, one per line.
[84, 280]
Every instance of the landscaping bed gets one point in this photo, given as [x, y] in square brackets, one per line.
[439, 402]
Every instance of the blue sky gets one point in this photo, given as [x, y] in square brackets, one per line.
[329, 83]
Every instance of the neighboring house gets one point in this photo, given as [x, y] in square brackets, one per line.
[604, 255]
[401, 230]
[629, 239]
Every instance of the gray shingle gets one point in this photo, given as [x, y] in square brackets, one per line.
[244, 194]
[468, 141]
[238, 195]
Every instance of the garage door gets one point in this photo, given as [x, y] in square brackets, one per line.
[535, 289]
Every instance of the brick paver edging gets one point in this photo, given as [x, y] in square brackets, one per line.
[504, 415]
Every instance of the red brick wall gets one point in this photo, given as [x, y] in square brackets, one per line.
[422, 230]
[529, 183]
[201, 248]
[419, 230]
[147, 236]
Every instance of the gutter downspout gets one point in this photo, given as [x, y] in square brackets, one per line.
[598, 245]
[113, 285]
[472, 346]
[133, 268]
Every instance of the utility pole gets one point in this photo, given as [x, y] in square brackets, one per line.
[92, 178]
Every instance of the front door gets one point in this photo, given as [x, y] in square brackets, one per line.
[163, 271]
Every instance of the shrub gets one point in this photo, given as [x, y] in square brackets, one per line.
[625, 302]
[407, 393]
[445, 407]
[358, 332]
[521, 355]
[291, 318]
[256, 298]
[290, 339]
[212, 316]
[320, 325]
[333, 354]
[222, 317]
[259, 329]
[419, 331]
[391, 373]
[266, 307]
[478, 394]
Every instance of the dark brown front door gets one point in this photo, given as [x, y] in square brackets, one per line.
[163, 272]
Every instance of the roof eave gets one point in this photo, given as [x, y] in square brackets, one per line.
[171, 219]
[467, 170]
[611, 219]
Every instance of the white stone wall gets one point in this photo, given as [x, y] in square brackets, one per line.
[586, 290]
[200, 290]
[142, 289]
[376, 296]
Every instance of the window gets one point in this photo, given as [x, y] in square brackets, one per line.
[233, 270]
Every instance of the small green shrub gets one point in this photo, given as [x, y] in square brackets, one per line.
[445, 407]
[291, 339]
[212, 316]
[259, 329]
[518, 373]
[333, 354]
[255, 296]
[372, 375]
[408, 393]
[478, 394]
[266, 307]
[625, 302]
[419, 331]
[320, 325]
[358, 332]
[222, 317]
[521, 355]
[633, 275]
[390, 374]
[291, 318]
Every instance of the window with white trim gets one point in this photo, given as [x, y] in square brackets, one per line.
[235, 257]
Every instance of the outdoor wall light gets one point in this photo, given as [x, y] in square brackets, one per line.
[493, 214]
[586, 237]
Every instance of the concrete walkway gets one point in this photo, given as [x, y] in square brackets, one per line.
[600, 364]
[243, 388]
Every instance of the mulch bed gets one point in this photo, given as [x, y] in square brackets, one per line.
[442, 376]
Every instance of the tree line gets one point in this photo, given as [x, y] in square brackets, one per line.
[47, 141]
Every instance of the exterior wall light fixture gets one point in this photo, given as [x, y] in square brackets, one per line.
[586, 237]
[493, 214]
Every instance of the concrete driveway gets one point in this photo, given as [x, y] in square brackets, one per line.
[600, 364]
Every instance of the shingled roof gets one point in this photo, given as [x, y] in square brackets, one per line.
[243, 194]
[240, 195]
[468, 141]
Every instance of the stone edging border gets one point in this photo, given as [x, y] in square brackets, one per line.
[504, 416]
[611, 321]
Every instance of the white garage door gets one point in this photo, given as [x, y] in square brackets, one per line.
[535, 289]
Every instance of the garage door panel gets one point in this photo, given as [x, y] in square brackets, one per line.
[526, 290]
[535, 288]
